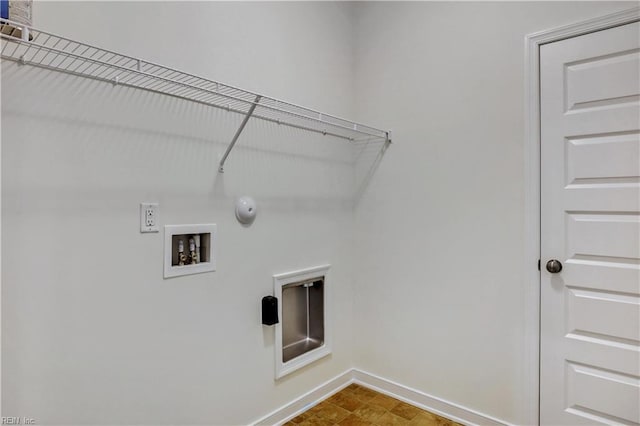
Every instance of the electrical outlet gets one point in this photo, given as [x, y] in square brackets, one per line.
[149, 217]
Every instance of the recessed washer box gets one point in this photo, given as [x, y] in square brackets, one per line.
[303, 334]
[206, 260]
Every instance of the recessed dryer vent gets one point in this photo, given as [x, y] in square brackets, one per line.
[303, 335]
[302, 318]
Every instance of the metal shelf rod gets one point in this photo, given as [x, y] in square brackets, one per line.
[238, 132]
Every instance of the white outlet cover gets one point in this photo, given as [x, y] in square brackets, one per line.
[149, 217]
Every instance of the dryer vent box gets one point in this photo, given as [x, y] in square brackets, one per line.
[303, 335]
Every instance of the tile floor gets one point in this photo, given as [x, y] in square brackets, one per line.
[359, 406]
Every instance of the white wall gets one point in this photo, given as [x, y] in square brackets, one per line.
[440, 284]
[91, 332]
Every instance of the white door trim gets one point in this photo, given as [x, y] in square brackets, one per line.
[532, 191]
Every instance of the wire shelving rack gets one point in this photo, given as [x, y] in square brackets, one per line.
[28, 45]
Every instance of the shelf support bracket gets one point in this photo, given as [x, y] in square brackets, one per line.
[238, 132]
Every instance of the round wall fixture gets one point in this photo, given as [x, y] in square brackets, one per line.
[246, 210]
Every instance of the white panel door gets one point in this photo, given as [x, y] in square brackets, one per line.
[590, 223]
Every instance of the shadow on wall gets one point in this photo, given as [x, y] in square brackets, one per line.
[116, 138]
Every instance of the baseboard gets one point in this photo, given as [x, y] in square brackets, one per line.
[411, 396]
[308, 400]
[425, 401]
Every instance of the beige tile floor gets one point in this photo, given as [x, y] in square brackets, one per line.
[359, 406]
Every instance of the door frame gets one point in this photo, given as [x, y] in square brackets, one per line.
[532, 164]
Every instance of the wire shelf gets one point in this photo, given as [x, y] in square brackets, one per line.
[28, 45]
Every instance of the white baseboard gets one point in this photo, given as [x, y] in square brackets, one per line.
[308, 400]
[425, 401]
[415, 397]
